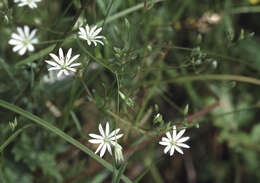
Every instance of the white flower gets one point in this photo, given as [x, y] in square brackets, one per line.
[24, 40]
[106, 139]
[174, 142]
[63, 64]
[118, 154]
[31, 3]
[91, 34]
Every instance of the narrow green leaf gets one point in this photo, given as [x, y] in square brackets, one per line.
[60, 133]
[120, 173]
[36, 56]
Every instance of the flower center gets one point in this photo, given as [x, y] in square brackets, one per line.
[26, 42]
[173, 143]
[29, 1]
[106, 139]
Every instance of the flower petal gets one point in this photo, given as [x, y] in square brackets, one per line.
[107, 129]
[166, 149]
[178, 149]
[109, 149]
[68, 56]
[101, 130]
[180, 134]
[103, 150]
[172, 151]
[95, 141]
[184, 139]
[183, 145]
[99, 147]
[164, 143]
[168, 135]
[73, 59]
[95, 136]
[116, 137]
[114, 132]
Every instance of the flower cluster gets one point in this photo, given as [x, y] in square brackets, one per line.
[24, 40]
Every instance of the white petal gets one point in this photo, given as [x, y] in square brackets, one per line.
[100, 42]
[26, 31]
[22, 51]
[164, 143]
[116, 137]
[68, 55]
[166, 139]
[103, 150]
[101, 130]
[74, 65]
[16, 36]
[107, 129]
[66, 72]
[61, 55]
[168, 135]
[99, 147]
[95, 136]
[30, 47]
[183, 145]
[109, 149]
[97, 31]
[34, 41]
[96, 141]
[20, 31]
[72, 69]
[14, 42]
[87, 29]
[174, 132]
[89, 42]
[172, 151]
[178, 149]
[56, 58]
[179, 134]
[32, 33]
[114, 132]
[54, 68]
[51, 63]
[82, 31]
[184, 139]
[18, 47]
[92, 30]
[73, 59]
[59, 73]
[166, 149]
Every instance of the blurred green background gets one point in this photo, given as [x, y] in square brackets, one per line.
[161, 56]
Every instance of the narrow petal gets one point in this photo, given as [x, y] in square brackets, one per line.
[32, 33]
[166, 139]
[103, 150]
[20, 31]
[107, 129]
[59, 73]
[114, 132]
[74, 65]
[184, 139]
[95, 136]
[116, 137]
[164, 143]
[66, 72]
[14, 42]
[73, 59]
[99, 147]
[87, 29]
[72, 69]
[54, 68]
[178, 149]
[109, 149]
[82, 31]
[172, 151]
[68, 55]
[183, 145]
[97, 31]
[92, 30]
[168, 135]
[180, 134]
[22, 51]
[95, 141]
[26, 31]
[30, 47]
[52, 63]
[174, 132]
[54, 57]
[100, 42]
[101, 130]
[166, 149]
[17, 47]
[61, 55]
[16, 36]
